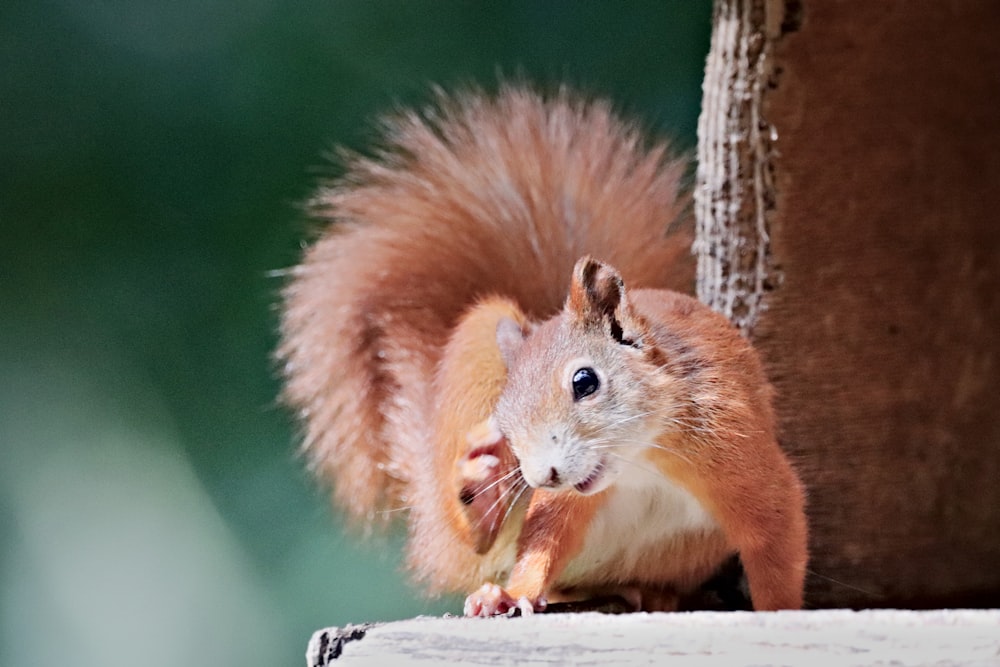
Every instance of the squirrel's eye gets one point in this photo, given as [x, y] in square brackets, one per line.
[585, 383]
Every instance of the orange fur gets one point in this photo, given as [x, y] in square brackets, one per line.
[736, 467]
[477, 196]
[677, 378]
[474, 211]
[553, 533]
[469, 380]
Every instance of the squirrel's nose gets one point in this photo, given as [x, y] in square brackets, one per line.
[551, 481]
[542, 479]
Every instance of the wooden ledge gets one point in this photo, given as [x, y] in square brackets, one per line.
[842, 637]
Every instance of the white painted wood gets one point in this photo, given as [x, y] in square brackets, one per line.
[703, 639]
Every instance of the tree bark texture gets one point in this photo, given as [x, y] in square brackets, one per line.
[847, 199]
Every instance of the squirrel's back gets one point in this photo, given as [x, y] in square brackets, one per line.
[474, 196]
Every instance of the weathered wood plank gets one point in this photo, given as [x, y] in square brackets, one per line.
[841, 637]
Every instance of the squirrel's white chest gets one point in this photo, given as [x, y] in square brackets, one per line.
[635, 520]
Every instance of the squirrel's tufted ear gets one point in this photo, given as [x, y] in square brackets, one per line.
[597, 297]
[596, 291]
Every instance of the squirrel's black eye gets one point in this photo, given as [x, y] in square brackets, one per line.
[585, 383]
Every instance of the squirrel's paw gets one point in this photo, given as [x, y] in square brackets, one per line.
[487, 456]
[488, 480]
[484, 434]
[492, 600]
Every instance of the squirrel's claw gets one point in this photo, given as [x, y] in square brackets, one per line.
[492, 600]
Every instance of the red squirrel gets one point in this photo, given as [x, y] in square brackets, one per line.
[486, 341]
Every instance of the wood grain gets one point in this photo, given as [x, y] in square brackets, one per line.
[901, 638]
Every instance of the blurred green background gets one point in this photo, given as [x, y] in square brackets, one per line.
[153, 157]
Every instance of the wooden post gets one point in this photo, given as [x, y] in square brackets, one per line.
[847, 204]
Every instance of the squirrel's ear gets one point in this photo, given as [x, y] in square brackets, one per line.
[509, 339]
[596, 291]
[597, 296]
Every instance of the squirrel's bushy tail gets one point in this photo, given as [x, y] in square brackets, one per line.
[477, 195]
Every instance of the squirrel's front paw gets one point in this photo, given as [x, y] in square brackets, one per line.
[489, 482]
[492, 600]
